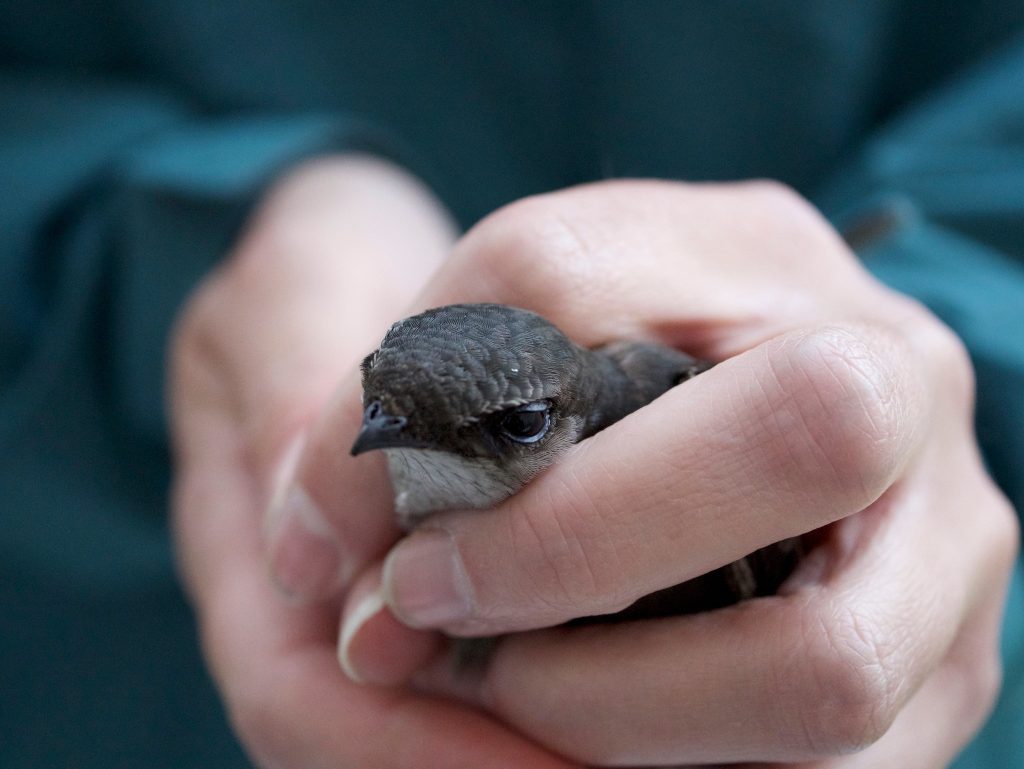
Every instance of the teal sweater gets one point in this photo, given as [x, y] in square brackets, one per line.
[134, 137]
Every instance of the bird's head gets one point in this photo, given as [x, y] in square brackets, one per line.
[469, 402]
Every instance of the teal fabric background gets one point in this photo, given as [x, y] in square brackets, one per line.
[134, 137]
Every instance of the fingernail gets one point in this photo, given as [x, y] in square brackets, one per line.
[305, 558]
[425, 582]
[364, 609]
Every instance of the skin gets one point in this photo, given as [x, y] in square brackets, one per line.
[840, 407]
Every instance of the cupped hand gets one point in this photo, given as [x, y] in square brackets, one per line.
[337, 250]
[839, 408]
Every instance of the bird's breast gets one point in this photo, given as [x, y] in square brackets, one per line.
[426, 481]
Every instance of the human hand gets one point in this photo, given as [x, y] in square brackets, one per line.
[840, 408]
[334, 254]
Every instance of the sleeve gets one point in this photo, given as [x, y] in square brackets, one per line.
[117, 199]
[936, 204]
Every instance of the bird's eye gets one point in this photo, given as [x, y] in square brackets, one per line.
[526, 424]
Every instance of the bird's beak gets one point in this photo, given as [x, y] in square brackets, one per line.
[382, 431]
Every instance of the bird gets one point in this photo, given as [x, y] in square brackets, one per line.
[470, 402]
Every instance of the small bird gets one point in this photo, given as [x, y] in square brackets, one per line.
[469, 402]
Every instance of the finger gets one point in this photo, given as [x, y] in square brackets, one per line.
[821, 671]
[801, 431]
[373, 646]
[276, 665]
[951, 705]
[712, 268]
[332, 516]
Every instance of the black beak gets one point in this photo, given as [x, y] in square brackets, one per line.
[382, 431]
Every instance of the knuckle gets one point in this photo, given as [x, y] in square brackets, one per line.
[1011, 534]
[1002, 543]
[944, 356]
[532, 252]
[982, 690]
[793, 234]
[972, 676]
[188, 328]
[847, 689]
[774, 193]
[777, 201]
[198, 318]
[844, 413]
[192, 351]
[259, 728]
